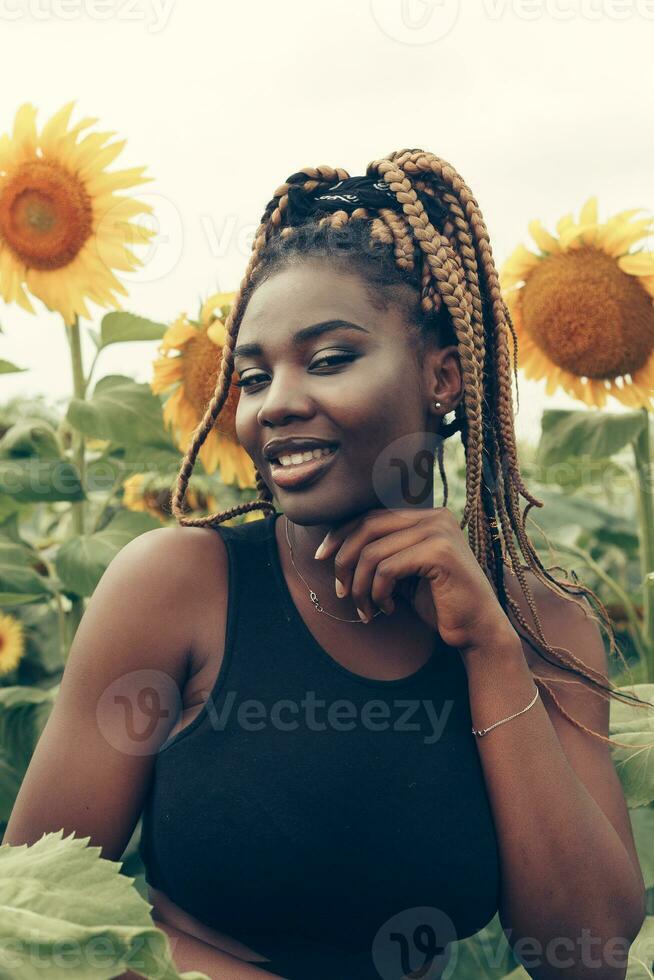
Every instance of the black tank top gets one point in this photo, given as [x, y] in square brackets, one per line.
[332, 822]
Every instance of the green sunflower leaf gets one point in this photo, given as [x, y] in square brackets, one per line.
[598, 435]
[81, 561]
[118, 327]
[31, 479]
[18, 575]
[121, 410]
[71, 911]
[30, 437]
[6, 367]
[634, 726]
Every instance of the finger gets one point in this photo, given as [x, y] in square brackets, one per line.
[349, 552]
[411, 561]
[337, 535]
[334, 538]
[371, 557]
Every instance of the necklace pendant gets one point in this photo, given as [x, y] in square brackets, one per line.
[315, 600]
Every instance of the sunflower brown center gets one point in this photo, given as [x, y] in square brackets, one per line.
[45, 214]
[587, 315]
[201, 359]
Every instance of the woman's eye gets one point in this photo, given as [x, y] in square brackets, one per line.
[334, 359]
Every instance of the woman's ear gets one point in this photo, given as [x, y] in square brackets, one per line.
[445, 378]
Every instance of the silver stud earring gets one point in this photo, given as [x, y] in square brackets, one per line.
[437, 405]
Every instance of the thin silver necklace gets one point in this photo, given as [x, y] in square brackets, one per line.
[312, 595]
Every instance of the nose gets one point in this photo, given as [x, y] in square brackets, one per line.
[284, 399]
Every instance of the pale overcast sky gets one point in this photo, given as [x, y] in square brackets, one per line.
[537, 103]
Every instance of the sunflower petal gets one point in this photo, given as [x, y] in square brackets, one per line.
[166, 372]
[616, 241]
[216, 301]
[104, 157]
[116, 180]
[86, 149]
[25, 136]
[12, 643]
[518, 266]
[575, 236]
[547, 243]
[588, 213]
[57, 125]
[565, 223]
[11, 281]
[217, 333]
[639, 264]
[212, 457]
[177, 334]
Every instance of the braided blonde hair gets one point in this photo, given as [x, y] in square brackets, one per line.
[452, 270]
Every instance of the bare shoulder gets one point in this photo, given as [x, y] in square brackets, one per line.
[173, 553]
[173, 561]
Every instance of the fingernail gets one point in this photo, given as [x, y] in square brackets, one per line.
[362, 615]
[319, 550]
[387, 607]
[340, 590]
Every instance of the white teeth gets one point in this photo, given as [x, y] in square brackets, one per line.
[294, 458]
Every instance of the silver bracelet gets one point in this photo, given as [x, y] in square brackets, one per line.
[482, 731]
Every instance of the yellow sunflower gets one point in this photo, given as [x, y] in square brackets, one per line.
[12, 643]
[583, 307]
[189, 362]
[63, 229]
[151, 495]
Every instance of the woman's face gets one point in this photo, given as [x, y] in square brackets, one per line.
[373, 394]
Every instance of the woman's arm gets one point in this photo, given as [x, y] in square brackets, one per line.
[572, 897]
[190, 953]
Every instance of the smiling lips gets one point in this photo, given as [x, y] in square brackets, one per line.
[301, 467]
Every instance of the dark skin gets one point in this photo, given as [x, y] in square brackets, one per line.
[556, 799]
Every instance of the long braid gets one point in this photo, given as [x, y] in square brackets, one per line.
[450, 263]
[447, 269]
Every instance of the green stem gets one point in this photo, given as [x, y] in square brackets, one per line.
[79, 455]
[61, 614]
[107, 501]
[643, 458]
[92, 368]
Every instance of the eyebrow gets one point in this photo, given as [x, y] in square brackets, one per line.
[305, 333]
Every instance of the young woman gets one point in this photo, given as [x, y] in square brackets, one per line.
[385, 740]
